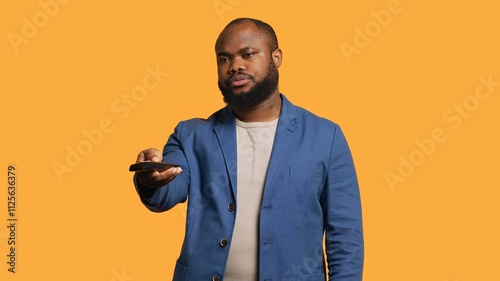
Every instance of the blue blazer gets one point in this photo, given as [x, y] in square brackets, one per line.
[311, 193]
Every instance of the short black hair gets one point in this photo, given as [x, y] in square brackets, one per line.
[265, 27]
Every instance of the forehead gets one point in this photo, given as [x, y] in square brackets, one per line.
[240, 36]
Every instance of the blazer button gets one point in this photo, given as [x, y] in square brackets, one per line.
[216, 278]
[231, 207]
[223, 242]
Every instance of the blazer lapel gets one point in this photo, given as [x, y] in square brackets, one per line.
[283, 140]
[225, 130]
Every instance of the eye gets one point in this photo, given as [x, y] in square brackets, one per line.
[222, 59]
[248, 55]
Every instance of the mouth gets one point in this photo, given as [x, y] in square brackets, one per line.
[239, 80]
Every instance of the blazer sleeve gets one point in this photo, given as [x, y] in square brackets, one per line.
[342, 209]
[166, 197]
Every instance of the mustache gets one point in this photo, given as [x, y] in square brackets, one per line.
[238, 76]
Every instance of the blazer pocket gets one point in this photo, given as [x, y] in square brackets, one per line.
[304, 171]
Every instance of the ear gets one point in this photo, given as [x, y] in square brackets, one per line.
[277, 57]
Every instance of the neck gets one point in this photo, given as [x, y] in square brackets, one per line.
[267, 110]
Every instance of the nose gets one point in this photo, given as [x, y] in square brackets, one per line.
[237, 65]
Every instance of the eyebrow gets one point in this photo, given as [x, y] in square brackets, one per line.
[246, 49]
[242, 50]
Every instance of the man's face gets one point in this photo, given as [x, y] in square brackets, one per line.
[248, 71]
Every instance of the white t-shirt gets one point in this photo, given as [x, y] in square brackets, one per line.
[255, 143]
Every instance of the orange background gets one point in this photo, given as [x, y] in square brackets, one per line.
[405, 80]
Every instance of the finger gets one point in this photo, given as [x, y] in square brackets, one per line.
[141, 157]
[150, 154]
[149, 179]
[153, 155]
[169, 174]
[157, 179]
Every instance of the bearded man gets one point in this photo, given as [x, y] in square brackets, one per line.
[272, 188]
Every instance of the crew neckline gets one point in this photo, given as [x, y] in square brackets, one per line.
[256, 124]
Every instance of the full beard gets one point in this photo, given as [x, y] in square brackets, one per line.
[260, 91]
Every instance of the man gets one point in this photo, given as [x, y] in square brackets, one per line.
[266, 181]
